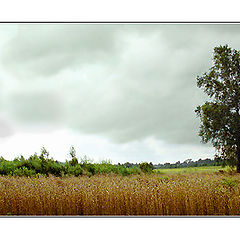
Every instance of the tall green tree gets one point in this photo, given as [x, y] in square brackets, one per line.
[220, 117]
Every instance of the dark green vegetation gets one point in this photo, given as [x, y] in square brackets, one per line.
[220, 116]
[189, 163]
[44, 165]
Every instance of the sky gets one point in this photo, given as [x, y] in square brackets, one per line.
[123, 92]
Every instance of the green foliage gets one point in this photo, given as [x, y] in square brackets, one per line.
[228, 156]
[220, 117]
[74, 160]
[90, 168]
[105, 167]
[146, 167]
[73, 170]
[189, 163]
[55, 168]
[23, 171]
[124, 171]
[128, 171]
[44, 154]
[42, 164]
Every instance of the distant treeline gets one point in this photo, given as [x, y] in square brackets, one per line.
[190, 163]
[186, 163]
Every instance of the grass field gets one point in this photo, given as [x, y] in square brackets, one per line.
[207, 169]
[191, 193]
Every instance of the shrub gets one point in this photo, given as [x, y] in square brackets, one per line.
[7, 167]
[134, 170]
[42, 164]
[124, 171]
[146, 167]
[55, 168]
[23, 171]
[105, 167]
[90, 168]
[2, 159]
[74, 170]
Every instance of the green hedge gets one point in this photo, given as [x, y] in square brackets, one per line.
[42, 164]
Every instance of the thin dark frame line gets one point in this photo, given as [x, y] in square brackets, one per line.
[118, 216]
[129, 22]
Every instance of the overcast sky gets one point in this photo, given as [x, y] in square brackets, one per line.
[125, 92]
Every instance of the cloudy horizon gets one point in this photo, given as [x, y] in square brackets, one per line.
[124, 92]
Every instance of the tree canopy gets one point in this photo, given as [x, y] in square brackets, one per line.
[220, 118]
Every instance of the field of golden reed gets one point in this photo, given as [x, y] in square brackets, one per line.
[189, 194]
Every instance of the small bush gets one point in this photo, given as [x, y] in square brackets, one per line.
[74, 170]
[146, 167]
[91, 168]
[55, 168]
[105, 167]
[124, 171]
[23, 171]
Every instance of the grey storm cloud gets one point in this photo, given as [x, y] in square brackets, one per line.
[125, 81]
[31, 106]
[47, 49]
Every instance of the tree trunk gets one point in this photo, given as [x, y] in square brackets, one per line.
[238, 137]
[238, 157]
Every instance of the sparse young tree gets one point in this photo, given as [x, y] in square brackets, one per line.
[220, 117]
[44, 154]
[72, 153]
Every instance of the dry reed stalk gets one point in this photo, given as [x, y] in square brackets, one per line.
[192, 194]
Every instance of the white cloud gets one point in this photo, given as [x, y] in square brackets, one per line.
[174, 152]
[58, 143]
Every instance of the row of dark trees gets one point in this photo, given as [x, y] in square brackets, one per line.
[190, 163]
[184, 164]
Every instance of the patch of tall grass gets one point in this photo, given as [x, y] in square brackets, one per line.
[113, 194]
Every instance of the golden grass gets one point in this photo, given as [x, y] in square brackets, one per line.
[191, 194]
